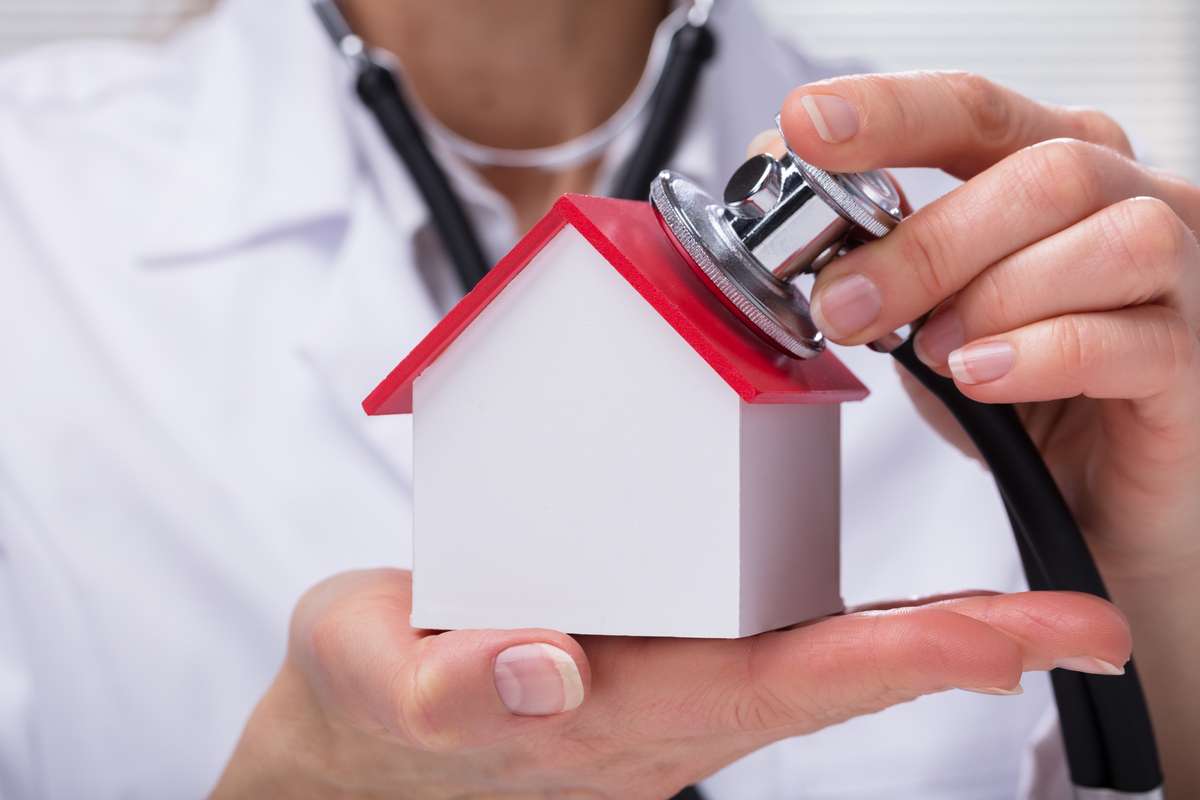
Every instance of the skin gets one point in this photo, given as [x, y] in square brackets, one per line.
[537, 74]
[1094, 290]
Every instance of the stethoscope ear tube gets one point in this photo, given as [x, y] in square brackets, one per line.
[1105, 721]
[380, 92]
[691, 46]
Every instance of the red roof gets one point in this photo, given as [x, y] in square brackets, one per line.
[629, 236]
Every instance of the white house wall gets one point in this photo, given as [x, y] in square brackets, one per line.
[790, 481]
[576, 465]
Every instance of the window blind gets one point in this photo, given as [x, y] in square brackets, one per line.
[1137, 60]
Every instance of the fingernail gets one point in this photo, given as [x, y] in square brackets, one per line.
[846, 306]
[1018, 689]
[537, 680]
[767, 141]
[834, 118]
[1093, 666]
[980, 363]
[938, 337]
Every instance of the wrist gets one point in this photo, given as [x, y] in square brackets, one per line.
[1143, 568]
[1162, 605]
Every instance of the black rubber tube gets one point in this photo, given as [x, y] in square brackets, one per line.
[1105, 721]
[381, 93]
[690, 47]
[1077, 715]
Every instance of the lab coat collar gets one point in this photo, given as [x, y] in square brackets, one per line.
[256, 155]
[270, 98]
[274, 140]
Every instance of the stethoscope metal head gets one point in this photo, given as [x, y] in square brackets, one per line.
[778, 219]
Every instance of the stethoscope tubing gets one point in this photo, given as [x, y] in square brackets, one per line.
[380, 92]
[691, 47]
[1106, 724]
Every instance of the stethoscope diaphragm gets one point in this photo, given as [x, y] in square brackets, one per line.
[779, 218]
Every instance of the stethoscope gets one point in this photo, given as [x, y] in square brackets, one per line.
[781, 218]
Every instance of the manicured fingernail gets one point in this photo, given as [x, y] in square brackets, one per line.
[846, 306]
[537, 680]
[941, 335]
[1018, 689]
[834, 118]
[980, 363]
[1093, 666]
[768, 141]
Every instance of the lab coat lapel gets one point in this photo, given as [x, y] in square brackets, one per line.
[317, 158]
[373, 311]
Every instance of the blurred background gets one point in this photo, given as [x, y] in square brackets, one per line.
[1136, 59]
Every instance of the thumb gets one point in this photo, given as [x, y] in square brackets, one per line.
[445, 691]
[468, 687]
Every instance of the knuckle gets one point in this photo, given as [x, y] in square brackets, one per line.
[758, 707]
[1074, 347]
[925, 251]
[1149, 237]
[418, 700]
[329, 635]
[986, 104]
[886, 676]
[995, 301]
[1179, 347]
[888, 102]
[762, 702]
[1096, 126]
[1065, 177]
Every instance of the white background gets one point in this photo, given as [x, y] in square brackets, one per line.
[1137, 59]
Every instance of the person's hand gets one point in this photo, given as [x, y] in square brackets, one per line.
[1064, 277]
[365, 706]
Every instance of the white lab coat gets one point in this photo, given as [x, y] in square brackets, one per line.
[207, 258]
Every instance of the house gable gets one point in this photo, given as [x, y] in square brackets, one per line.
[627, 234]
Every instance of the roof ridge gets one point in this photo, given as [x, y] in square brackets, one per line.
[627, 234]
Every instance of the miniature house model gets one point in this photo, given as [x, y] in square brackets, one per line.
[601, 446]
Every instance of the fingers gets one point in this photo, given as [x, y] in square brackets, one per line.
[768, 141]
[1133, 252]
[959, 122]
[846, 666]
[1133, 353]
[1067, 630]
[797, 681]
[437, 692]
[942, 247]
[911, 602]
[1025, 189]
[465, 689]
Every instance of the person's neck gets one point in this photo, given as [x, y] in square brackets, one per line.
[517, 73]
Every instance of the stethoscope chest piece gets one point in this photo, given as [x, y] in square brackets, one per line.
[768, 230]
